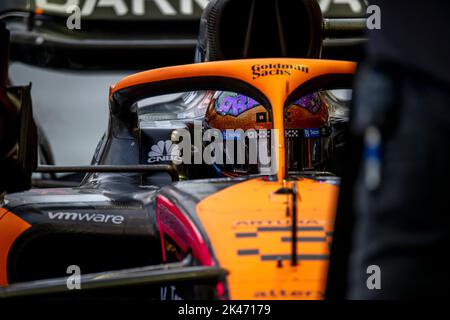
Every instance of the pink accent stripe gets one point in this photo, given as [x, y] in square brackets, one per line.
[195, 240]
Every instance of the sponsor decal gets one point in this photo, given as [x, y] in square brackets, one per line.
[311, 133]
[177, 8]
[164, 151]
[232, 135]
[292, 133]
[268, 223]
[308, 133]
[122, 8]
[86, 217]
[240, 135]
[312, 231]
[233, 104]
[281, 293]
[278, 69]
[354, 6]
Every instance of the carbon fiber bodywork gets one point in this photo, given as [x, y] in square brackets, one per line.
[108, 224]
[80, 222]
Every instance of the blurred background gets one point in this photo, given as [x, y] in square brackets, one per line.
[71, 106]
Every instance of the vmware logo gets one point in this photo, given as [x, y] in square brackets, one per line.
[87, 217]
[164, 151]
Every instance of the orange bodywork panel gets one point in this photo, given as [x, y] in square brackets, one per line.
[275, 78]
[11, 227]
[250, 231]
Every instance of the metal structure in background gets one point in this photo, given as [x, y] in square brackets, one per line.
[154, 35]
[344, 28]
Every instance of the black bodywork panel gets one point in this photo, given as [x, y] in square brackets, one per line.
[107, 224]
[103, 228]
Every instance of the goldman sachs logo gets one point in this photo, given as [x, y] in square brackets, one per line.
[277, 69]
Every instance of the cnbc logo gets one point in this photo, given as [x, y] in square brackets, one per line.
[164, 151]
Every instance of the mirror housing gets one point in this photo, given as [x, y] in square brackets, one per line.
[18, 132]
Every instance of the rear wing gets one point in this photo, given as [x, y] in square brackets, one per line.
[40, 37]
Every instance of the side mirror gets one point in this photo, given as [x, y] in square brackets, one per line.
[18, 133]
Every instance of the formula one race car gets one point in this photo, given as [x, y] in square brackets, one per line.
[251, 224]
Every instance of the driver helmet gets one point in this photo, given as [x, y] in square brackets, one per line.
[241, 119]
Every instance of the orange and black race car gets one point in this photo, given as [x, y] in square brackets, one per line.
[270, 232]
[169, 209]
